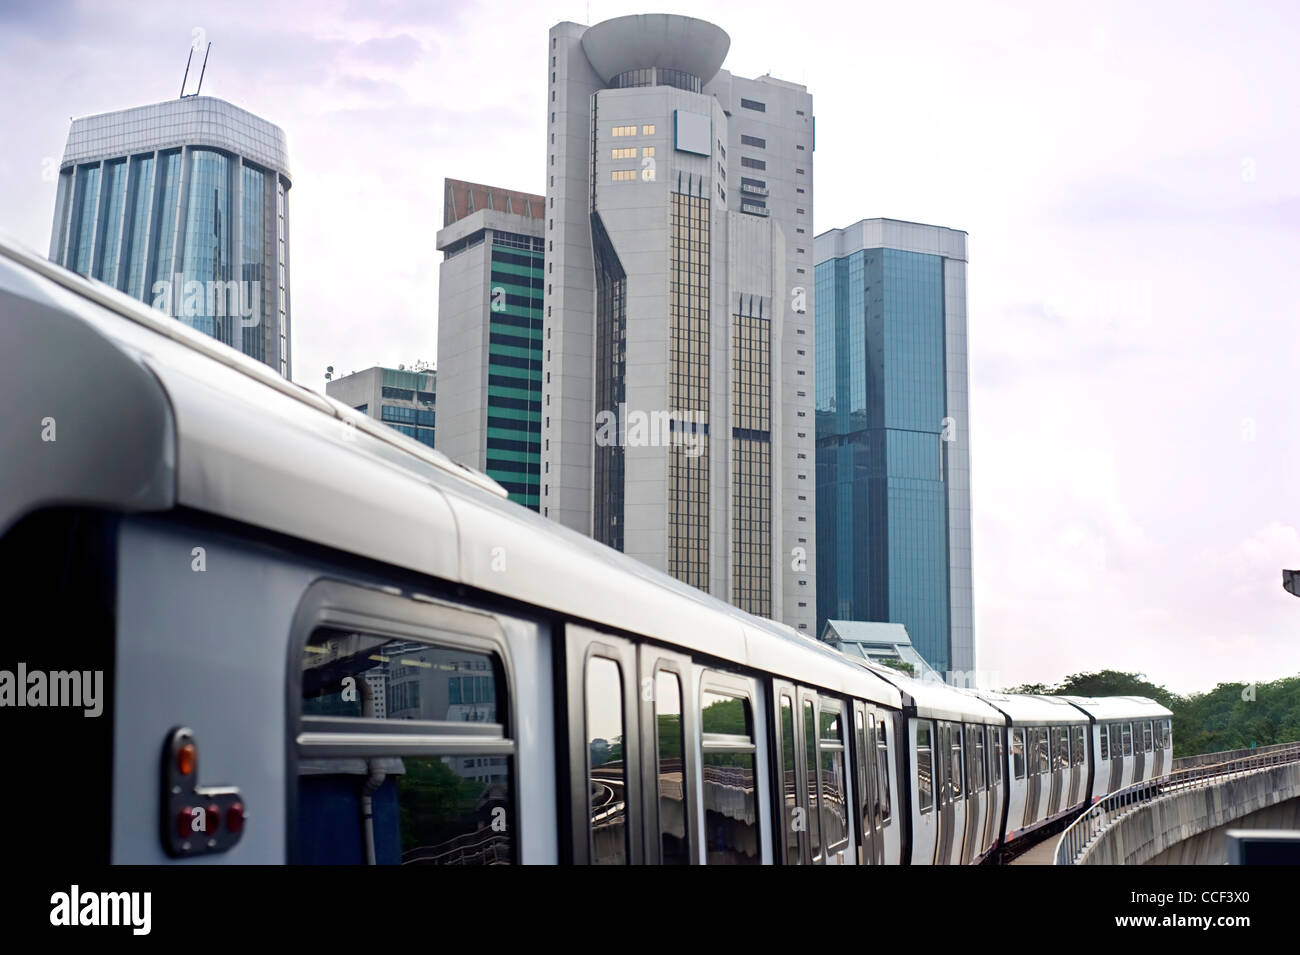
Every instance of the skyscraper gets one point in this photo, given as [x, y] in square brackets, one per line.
[677, 396]
[893, 435]
[184, 205]
[490, 334]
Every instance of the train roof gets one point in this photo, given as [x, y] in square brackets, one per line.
[155, 415]
[1119, 707]
[935, 700]
[1032, 710]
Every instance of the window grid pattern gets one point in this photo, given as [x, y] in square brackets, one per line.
[751, 454]
[688, 388]
[514, 430]
[206, 245]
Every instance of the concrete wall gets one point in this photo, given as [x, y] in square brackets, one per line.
[1156, 830]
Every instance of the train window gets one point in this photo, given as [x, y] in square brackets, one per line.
[730, 798]
[1044, 752]
[1103, 751]
[830, 751]
[882, 770]
[979, 774]
[810, 782]
[924, 794]
[788, 791]
[606, 773]
[1126, 738]
[1062, 734]
[1116, 743]
[1076, 751]
[1146, 736]
[955, 766]
[447, 799]
[1164, 734]
[671, 768]
[1018, 752]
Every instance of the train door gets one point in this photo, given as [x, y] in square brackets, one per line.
[975, 795]
[604, 749]
[1033, 772]
[996, 772]
[925, 784]
[793, 795]
[1059, 750]
[1162, 741]
[1139, 751]
[871, 838]
[831, 759]
[1076, 764]
[667, 724]
[1112, 732]
[949, 792]
[1017, 791]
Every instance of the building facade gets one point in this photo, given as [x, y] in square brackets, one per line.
[893, 435]
[677, 413]
[400, 398]
[490, 331]
[185, 206]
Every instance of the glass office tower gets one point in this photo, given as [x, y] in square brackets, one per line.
[893, 459]
[184, 205]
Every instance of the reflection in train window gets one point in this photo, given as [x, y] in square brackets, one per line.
[1116, 742]
[925, 795]
[436, 810]
[882, 770]
[810, 780]
[1103, 751]
[730, 799]
[955, 765]
[1146, 736]
[1077, 750]
[1164, 734]
[788, 790]
[347, 674]
[868, 797]
[979, 771]
[1044, 754]
[607, 777]
[1126, 738]
[1062, 734]
[835, 819]
[448, 805]
[1018, 752]
[672, 769]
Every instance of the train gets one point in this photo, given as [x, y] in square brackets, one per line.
[310, 639]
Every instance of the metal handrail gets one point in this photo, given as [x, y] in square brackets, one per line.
[1103, 813]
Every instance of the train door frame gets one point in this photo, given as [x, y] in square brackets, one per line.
[871, 836]
[581, 645]
[651, 661]
[947, 812]
[1033, 774]
[782, 689]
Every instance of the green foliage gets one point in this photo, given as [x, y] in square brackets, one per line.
[902, 666]
[1224, 718]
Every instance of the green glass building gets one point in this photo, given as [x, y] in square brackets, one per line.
[490, 334]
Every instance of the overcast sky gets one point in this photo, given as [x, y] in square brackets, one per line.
[1129, 176]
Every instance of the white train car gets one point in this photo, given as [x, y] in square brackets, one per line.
[1132, 740]
[1048, 760]
[957, 782]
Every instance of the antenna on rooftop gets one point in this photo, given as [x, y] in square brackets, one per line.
[188, 59]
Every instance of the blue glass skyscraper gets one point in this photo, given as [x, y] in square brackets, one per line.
[184, 205]
[893, 455]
